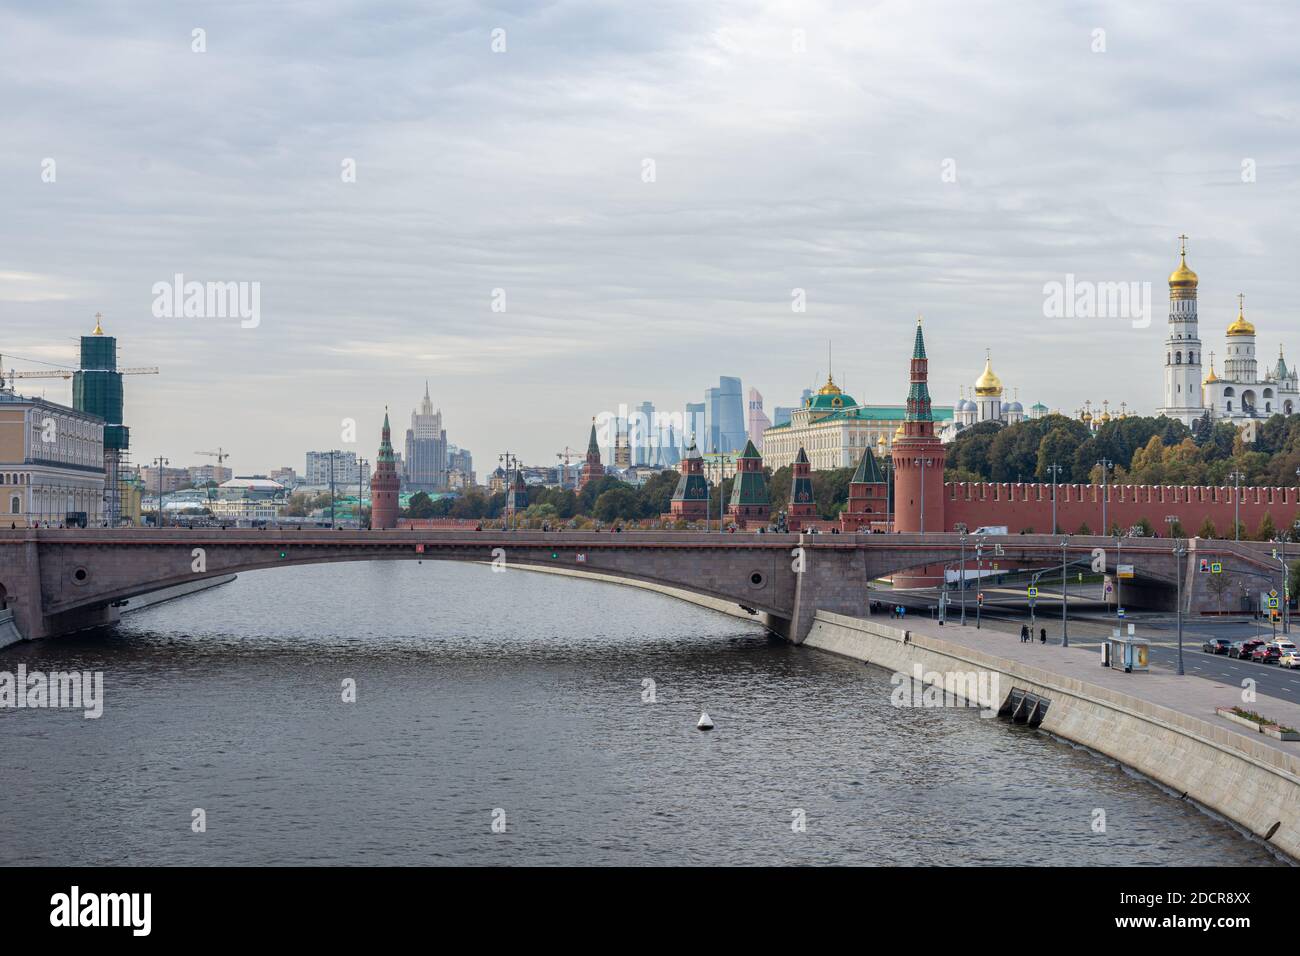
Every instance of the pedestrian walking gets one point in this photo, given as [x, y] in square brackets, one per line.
[1042, 635]
[1024, 633]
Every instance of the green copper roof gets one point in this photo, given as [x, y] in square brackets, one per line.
[749, 488]
[750, 451]
[592, 447]
[831, 401]
[869, 471]
[918, 347]
[385, 444]
[802, 457]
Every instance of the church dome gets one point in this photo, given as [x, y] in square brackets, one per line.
[830, 397]
[988, 385]
[1183, 277]
[1240, 326]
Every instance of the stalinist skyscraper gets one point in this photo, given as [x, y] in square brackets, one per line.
[1183, 346]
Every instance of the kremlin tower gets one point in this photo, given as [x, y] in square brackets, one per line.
[690, 500]
[591, 468]
[749, 498]
[801, 509]
[868, 496]
[918, 454]
[384, 483]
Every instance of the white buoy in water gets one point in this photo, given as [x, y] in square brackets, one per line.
[705, 723]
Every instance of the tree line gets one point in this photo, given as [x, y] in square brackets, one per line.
[1141, 450]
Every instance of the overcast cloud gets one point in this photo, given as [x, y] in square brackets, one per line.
[775, 169]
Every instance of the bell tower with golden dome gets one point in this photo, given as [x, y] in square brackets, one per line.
[1182, 397]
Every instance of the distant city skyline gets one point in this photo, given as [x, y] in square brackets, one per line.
[621, 208]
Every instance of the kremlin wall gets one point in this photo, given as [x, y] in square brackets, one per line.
[1028, 507]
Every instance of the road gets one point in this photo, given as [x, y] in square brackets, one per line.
[1089, 627]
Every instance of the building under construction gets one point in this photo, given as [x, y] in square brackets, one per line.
[97, 389]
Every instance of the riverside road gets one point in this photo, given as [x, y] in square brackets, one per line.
[1088, 628]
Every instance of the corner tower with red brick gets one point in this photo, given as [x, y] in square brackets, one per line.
[591, 468]
[918, 454]
[384, 483]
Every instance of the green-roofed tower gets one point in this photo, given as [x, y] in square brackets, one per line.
[749, 498]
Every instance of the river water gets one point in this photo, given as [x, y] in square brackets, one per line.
[517, 698]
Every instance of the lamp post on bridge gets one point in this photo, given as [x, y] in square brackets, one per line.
[1179, 551]
[1055, 471]
[979, 580]
[160, 463]
[1236, 477]
[1106, 464]
[361, 472]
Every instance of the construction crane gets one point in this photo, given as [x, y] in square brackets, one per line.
[564, 457]
[220, 455]
[67, 373]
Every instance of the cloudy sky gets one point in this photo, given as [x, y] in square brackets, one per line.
[795, 146]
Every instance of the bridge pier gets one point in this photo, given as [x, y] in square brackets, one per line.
[833, 578]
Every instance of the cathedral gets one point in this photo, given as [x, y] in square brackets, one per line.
[1241, 393]
[986, 406]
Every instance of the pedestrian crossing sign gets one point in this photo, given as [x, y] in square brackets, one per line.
[1216, 567]
[1033, 592]
[1272, 602]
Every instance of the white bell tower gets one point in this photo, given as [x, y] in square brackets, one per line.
[1182, 397]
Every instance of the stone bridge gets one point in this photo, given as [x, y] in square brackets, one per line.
[56, 580]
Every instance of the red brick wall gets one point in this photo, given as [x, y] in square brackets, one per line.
[1022, 507]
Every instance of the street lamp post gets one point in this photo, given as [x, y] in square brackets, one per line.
[361, 470]
[161, 463]
[1106, 464]
[979, 580]
[1065, 600]
[1236, 476]
[1179, 551]
[1119, 584]
[1055, 471]
[924, 462]
[961, 529]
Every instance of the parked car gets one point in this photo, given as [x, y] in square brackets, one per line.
[1217, 645]
[1291, 659]
[1266, 654]
[1243, 649]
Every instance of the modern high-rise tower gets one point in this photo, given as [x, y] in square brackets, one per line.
[1182, 398]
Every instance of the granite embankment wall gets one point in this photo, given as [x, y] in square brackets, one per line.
[1245, 780]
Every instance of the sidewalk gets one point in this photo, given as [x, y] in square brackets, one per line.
[1194, 696]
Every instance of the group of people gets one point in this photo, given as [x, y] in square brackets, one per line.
[1027, 636]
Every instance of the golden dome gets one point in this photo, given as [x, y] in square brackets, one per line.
[99, 330]
[830, 388]
[900, 433]
[988, 385]
[1183, 277]
[1241, 326]
[1211, 378]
